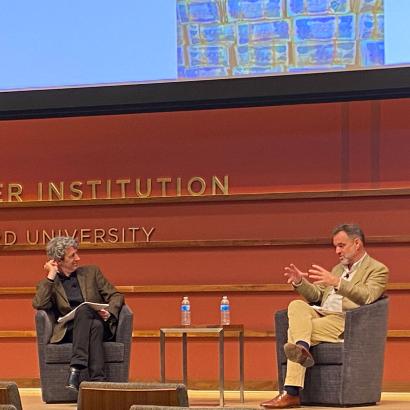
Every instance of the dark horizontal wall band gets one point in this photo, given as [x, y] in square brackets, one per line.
[143, 289]
[264, 196]
[214, 243]
[207, 94]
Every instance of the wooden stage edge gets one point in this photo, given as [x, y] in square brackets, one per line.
[150, 333]
[213, 385]
[195, 288]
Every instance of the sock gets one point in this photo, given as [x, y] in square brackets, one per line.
[292, 390]
[303, 343]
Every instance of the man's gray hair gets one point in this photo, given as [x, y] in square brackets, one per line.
[57, 246]
[352, 231]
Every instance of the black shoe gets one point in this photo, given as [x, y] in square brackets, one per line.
[73, 382]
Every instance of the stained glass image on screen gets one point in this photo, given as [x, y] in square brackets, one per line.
[218, 38]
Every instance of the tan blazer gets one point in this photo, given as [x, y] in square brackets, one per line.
[94, 288]
[367, 285]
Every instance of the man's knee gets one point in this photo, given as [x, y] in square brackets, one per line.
[98, 325]
[297, 305]
[84, 312]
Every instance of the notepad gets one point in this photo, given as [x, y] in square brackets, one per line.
[70, 315]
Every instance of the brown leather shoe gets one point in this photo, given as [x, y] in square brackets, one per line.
[298, 354]
[282, 401]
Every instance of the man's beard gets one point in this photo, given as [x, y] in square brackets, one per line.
[345, 261]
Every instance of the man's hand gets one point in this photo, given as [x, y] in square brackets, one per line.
[51, 267]
[321, 276]
[294, 274]
[104, 314]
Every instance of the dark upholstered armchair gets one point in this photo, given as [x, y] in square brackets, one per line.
[347, 373]
[54, 359]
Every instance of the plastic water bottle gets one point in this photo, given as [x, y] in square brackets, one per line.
[185, 312]
[225, 311]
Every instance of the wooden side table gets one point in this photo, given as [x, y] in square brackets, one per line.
[205, 330]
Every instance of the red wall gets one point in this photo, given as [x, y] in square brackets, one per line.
[271, 149]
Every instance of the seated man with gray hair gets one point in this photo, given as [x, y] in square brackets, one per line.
[66, 286]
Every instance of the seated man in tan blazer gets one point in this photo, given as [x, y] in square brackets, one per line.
[357, 280]
[66, 286]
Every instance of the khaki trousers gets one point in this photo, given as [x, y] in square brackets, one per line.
[306, 324]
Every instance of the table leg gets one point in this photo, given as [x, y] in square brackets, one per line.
[184, 359]
[241, 366]
[221, 369]
[162, 355]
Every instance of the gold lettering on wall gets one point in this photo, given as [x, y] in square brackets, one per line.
[40, 191]
[223, 187]
[121, 188]
[10, 238]
[108, 188]
[130, 234]
[93, 185]
[123, 184]
[54, 192]
[14, 191]
[164, 182]
[196, 183]
[75, 189]
[148, 188]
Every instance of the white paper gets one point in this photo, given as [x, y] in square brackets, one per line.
[70, 315]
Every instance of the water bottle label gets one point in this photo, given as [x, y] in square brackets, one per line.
[225, 308]
[185, 308]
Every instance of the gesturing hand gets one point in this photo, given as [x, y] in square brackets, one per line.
[294, 274]
[321, 276]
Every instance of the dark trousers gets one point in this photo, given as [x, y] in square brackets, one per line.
[87, 332]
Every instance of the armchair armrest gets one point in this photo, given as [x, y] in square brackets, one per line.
[366, 331]
[367, 324]
[124, 328]
[44, 325]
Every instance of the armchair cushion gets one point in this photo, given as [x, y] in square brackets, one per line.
[61, 353]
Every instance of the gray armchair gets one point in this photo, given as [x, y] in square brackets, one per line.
[54, 359]
[347, 373]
